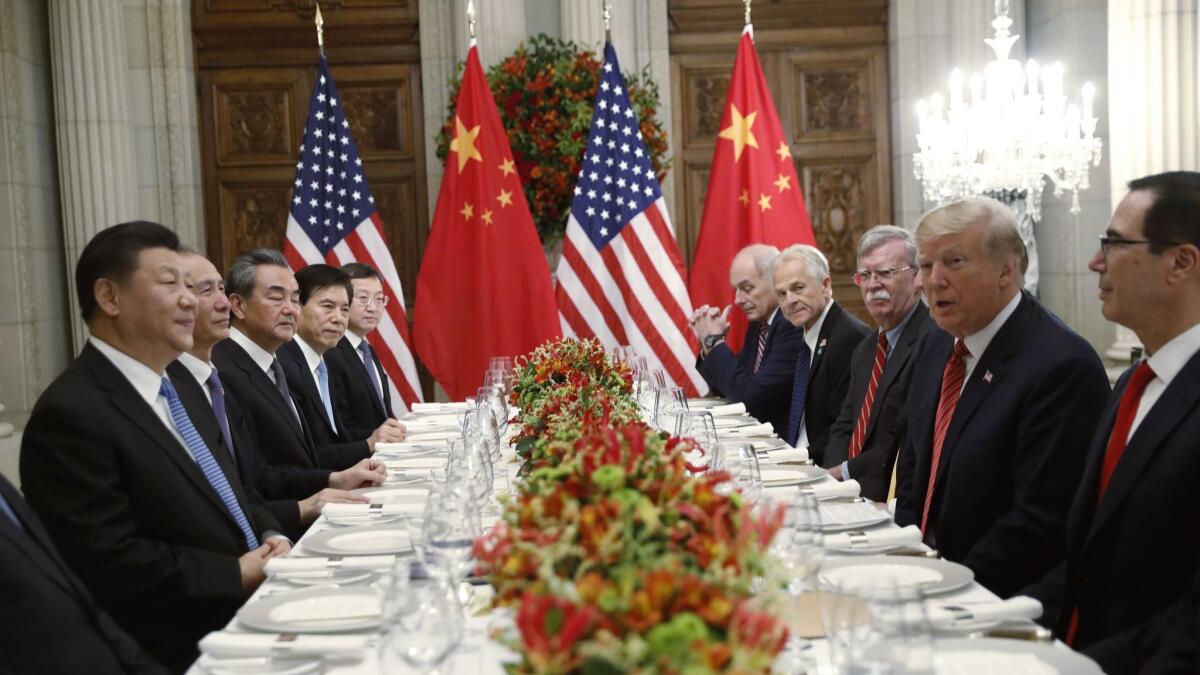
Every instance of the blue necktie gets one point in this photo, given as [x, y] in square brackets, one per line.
[323, 384]
[204, 457]
[7, 510]
[218, 403]
[799, 389]
[369, 362]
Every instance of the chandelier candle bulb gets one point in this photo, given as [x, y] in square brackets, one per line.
[976, 89]
[956, 89]
[1089, 94]
[1031, 72]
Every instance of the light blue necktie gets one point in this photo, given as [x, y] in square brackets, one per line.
[799, 389]
[369, 362]
[204, 457]
[7, 510]
[323, 384]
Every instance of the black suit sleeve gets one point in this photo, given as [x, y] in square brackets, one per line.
[1178, 650]
[761, 392]
[837, 447]
[1048, 457]
[74, 481]
[906, 459]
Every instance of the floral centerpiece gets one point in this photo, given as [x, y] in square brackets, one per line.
[617, 556]
[545, 92]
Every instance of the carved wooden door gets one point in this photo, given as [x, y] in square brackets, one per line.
[826, 64]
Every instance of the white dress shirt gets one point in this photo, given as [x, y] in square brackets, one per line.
[313, 359]
[260, 356]
[978, 343]
[199, 370]
[145, 382]
[810, 339]
[1166, 364]
[356, 340]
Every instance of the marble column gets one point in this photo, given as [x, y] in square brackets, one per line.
[92, 125]
[640, 34]
[1153, 101]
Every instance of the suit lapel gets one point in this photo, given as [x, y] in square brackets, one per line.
[299, 372]
[831, 319]
[1175, 405]
[988, 373]
[266, 389]
[125, 399]
[384, 383]
[904, 350]
[355, 363]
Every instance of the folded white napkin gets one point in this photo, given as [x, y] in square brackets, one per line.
[439, 407]
[410, 447]
[904, 536]
[224, 645]
[784, 455]
[424, 436]
[405, 463]
[764, 429]
[430, 422]
[284, 566]
[1019, 607]
[728, 409]
[832, 489]
[356, 510]
[328, 608]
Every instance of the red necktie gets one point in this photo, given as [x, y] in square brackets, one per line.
[1117, 438]
[952, 380]
[864, 414]
[762, 344]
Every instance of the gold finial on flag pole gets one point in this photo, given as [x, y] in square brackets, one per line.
[320, 21]
[747, 4]
[471, 18]
[608, 20]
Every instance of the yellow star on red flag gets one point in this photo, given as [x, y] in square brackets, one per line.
[740, 131]
[463, 143]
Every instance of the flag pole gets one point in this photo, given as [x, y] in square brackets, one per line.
[608, 20]
[320, 21]
[747, 17]
[471, 19]
[749, 27]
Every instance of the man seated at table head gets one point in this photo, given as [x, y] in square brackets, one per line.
[264, 300]
[324, 311]
[153, 520]
[1131, 541]
[359, 381]
[760, 375]
[1001, 406]
[821, 371]
[215, 411]
[871, 425]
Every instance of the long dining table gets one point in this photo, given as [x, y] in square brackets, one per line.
[478, 652]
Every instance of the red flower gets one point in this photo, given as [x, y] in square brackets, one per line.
[550, 627]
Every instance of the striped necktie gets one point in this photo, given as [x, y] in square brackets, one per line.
[762, 345]
[799, 389]
[204, 458]
[864, 414]
[953, 375]
[369, 362]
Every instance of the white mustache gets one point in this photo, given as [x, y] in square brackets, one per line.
[880, 294]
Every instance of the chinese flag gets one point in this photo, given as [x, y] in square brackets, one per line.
[753, 193]
[484, 285]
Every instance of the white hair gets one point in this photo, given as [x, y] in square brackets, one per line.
[761, 255]
[813, 260]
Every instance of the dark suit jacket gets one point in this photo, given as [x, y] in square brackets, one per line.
[767, 394]
[354, 394]
[1178, 653]
[829, 376]
[199, 409]
[888, 424]
[1135, 554]
[1015, 449]
[286, 465]
[50, 622]
[335, 447]
[131, 511]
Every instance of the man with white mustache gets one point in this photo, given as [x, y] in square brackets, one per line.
[867, 434]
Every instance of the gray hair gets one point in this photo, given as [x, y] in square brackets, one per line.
[813, 260]
[761, 255]
[243, 272]
[1001, 238]
[881, 234]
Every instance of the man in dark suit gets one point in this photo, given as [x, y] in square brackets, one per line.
[1131, 544]
[154, 522]
[324, 309]
[46, 607]
[1178, 650]
[360, 384]
[871, 425]
[1001, 406]
[760, 375]
[264, 302]
[215, 411]
[821, 374]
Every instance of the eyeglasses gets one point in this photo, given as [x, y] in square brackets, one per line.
[366, 300]
[863, 277]
[1107, 241]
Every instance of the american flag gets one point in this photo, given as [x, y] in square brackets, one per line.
[620, 277]
[333, 220]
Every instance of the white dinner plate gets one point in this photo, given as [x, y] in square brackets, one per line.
[932, 575]
[952, 656]
[774, 475]
[259, 666]
[329, 609]
[838, 515]
[367, 519]
[362, 540]
[702, 403]
[326, 577]
[396, 495]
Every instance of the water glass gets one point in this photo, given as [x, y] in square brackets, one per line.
[452, 526]
[901, 639]
[747, 475]
[394, 587]
[670, 409]
[423, 637]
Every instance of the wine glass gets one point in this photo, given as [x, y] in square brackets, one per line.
[423, 637]
[748, 475]
[699, 426]
[799, 548]
[452, 526]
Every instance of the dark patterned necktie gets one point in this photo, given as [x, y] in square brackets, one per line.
[799, 389]
[762, 345]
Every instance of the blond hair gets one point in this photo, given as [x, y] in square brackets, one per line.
[1001, 238]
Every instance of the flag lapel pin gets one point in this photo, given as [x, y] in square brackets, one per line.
[987, 377]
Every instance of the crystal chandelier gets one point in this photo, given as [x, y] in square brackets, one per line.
[1015, 129]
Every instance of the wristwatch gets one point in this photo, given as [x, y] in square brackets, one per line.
[711, 341]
